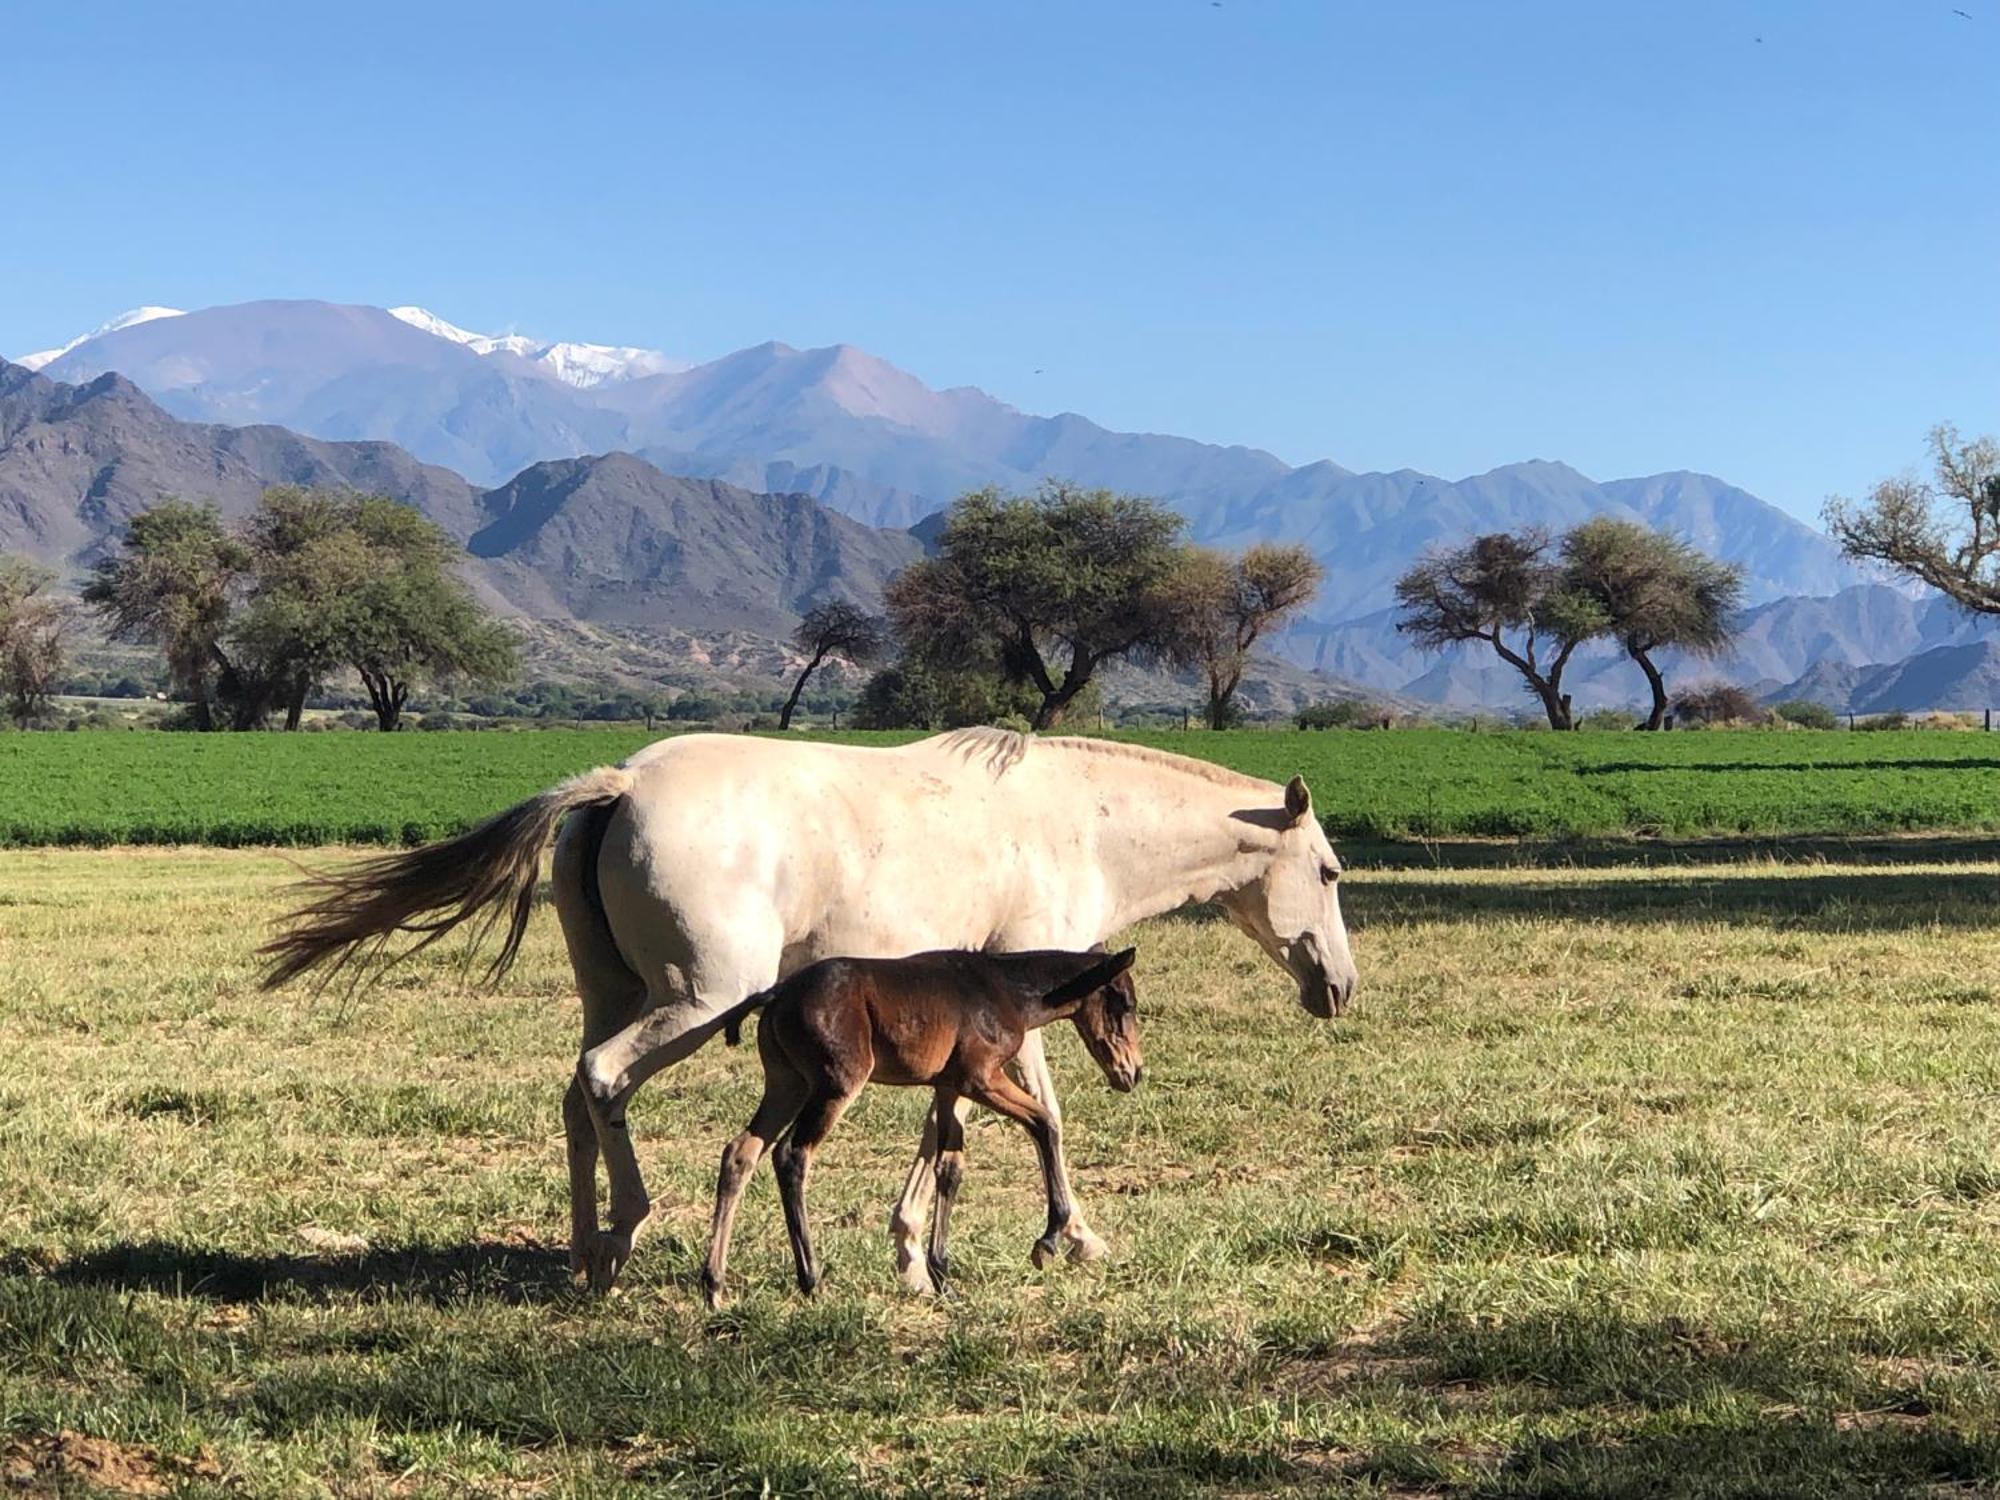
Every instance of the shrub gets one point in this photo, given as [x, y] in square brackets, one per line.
[1895, 718]
[1609, 718]
[1717, 703]
[1345, 713]
[1807, 714]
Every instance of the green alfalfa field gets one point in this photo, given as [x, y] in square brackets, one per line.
[1617, 1180]
[162, 788]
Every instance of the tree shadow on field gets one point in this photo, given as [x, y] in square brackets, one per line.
[1679, 768]
[1887, 901]
[439, 1274]
[1365, 853]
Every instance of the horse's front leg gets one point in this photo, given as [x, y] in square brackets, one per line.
[1031, 1066]
[908, 1218]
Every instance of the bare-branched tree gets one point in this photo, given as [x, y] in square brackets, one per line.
[1943, 531]
[835, 628]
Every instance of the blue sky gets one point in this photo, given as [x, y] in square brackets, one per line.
[1445, 234]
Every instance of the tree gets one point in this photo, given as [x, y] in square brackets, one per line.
[1503, 589]
[1044, 589]
[311, 574]
[32, 625]
[836, 628]
[411, 619]
[1943, 531]
[1654, 591]
[170, 585]
[1233, 602]
[313, 582]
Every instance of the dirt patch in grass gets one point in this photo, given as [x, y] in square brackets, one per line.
[67, 1462]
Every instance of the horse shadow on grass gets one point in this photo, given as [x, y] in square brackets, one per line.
[443, 1275]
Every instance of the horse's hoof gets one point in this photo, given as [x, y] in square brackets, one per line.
[1044, 1252]
[605, 1256]
[913, 1277]
[1085, 1246]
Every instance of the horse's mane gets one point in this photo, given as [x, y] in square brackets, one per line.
[1002, 749]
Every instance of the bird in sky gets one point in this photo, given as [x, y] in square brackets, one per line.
[1966, 13]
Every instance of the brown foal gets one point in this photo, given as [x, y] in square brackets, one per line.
[950, 1020]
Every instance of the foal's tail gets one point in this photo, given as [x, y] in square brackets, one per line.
[487, 873]
[733, 1018]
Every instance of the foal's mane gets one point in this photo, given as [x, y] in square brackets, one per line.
[1003, 749]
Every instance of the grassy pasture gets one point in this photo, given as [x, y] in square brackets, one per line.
[1617, 1182]
[160, 788]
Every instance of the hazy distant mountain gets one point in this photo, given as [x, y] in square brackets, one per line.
[43, 357]
[1962, 677]
[348, 373]
[612, 539]
[580, 365]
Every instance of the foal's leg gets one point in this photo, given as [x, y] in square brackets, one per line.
[1031, 1065]
[792, 1158]
[1002, 1095]
[950, 1173]
[784, 1092]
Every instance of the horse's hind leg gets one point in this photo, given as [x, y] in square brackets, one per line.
[793, 1160]
[613, 997]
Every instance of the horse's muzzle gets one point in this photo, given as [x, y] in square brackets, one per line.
[1322, 994]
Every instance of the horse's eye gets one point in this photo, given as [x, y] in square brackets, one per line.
[1328, 874]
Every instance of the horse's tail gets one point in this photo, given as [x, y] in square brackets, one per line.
[733, 1018]
[489, 872]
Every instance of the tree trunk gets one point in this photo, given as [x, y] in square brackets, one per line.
[295, 709]
[1555, 702]
[386, 696]
[798, 688]
[1657, 683]
[1055, 701]
[1222, 688]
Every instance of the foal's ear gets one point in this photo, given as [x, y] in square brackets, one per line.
[1298, 801]
[1092, 979]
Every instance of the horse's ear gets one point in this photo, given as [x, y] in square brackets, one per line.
[1092, 979]
[1298, 801]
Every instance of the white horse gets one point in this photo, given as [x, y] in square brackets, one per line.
[708, 867]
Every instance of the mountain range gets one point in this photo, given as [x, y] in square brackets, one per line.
[595, 481]
[608, 538]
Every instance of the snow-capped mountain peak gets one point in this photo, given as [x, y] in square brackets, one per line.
[42, 357]
[579, 365]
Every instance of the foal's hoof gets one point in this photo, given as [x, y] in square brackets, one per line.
[604, 1257]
